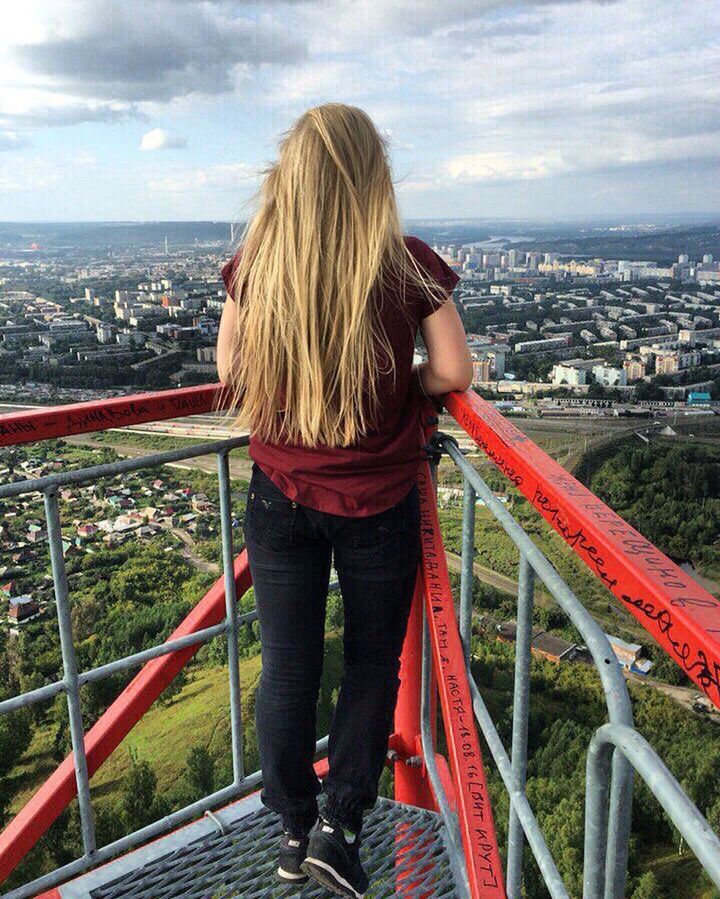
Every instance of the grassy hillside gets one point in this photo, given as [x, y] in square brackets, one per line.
[199, 715]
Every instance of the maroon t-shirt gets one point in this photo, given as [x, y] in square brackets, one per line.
[378, 471]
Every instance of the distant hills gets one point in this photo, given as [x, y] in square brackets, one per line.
[660, 242]
[663, 246]
[54, 236]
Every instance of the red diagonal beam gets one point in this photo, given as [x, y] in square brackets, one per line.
[477, 828]
[100, 415]
[33, 820]
[682, 616]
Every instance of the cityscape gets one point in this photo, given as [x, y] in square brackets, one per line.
[541, 325]
[627, 330]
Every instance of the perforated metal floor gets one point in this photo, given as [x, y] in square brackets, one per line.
[403, 852]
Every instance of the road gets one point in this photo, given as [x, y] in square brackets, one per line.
[686, 696]
[486, 575]
[188, 552]
[239, 467]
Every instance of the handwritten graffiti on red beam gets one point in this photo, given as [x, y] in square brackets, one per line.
[682, 616]
[31, 425]
[474, 811]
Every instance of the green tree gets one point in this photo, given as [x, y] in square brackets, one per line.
[200, 773]
[139, 803]
[174, 688]
[647, 888]
[15, 735]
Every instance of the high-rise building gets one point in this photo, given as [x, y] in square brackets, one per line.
[683, 259]
[498, 354]
[667, 363]
[609, 376]
[481, 371]
[708, 259]
[634, 368]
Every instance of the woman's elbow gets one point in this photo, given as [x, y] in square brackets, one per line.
[454, 377]
[223, 370]
[467, 378]
[463, 376]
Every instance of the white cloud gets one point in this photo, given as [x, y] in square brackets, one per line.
[625, 152]
[218, 177]
[160, 139]
[11, 140]
[504, 166]
[99, 59]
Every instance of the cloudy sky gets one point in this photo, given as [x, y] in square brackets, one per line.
[166, 109]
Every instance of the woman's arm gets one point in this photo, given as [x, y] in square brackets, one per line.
[225, 340]
[449, 366]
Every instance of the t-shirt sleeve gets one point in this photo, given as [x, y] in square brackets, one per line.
[437, 269]
[228, 271]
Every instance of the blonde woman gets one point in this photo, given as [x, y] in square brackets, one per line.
[316, 343]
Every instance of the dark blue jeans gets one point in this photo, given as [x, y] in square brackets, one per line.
[290, 549]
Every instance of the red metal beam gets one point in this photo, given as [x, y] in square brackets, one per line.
[411, 784]
[33, 820]
[477, 828]
[682, 616]
[82, 418]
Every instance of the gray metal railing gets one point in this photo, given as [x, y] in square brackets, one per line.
[73, 680]
[616, 750]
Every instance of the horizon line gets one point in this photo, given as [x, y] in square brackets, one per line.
[605, 217]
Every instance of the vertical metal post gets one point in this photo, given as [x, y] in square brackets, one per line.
[411, 786]
[77, 732]
[231, 618]
[466, 573]
[521, 712]
[618, 833]
[597, 777]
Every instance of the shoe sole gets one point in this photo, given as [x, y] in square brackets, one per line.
[326, 875]
[289, 877]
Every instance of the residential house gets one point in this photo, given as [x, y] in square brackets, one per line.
[22, 608]
[554, 649]
[630, 655]
[87, 531]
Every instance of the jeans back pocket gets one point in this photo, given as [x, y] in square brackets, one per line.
[269, 515]
[394, 531]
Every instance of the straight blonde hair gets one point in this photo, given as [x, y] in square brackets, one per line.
[308, 344]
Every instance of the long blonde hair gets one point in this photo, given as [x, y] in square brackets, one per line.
[308, 343]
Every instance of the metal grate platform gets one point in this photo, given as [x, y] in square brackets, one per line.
[404, 852]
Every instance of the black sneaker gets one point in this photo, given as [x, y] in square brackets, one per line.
[293, 849]
[334, 861]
